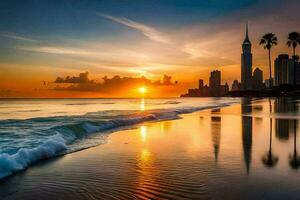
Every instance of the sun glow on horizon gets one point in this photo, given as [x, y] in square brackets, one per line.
[143, 90]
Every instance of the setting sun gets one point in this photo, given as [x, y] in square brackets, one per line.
[142, 90]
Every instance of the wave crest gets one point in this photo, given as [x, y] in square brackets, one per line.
[65, 134]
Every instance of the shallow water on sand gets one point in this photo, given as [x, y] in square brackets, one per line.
[243, 151]
[33, 136]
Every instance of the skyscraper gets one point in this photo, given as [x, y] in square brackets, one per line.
[284, 70]
[215, 82]
[215, 79]
[281, 69]
[246, 63]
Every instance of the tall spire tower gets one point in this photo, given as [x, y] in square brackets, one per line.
[246, 63]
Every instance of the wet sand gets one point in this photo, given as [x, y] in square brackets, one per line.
[211, 154]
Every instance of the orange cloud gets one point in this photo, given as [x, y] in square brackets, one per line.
[119, 86]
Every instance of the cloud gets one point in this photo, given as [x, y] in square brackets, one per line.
[148, 31]
[57, 50]
[16, 37]
[81, 79]
[108, 85]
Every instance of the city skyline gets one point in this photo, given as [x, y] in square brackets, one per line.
[105, 39]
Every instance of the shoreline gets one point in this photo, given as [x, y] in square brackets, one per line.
[209, 154]
[132, 123]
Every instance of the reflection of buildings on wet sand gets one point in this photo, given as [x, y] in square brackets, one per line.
[216, 133]
[294, 157]
[284, 127]
[247, 132]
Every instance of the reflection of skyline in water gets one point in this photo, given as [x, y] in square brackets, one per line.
[216, 133]
[246, 108]
[226, 151]
[284, 127]
[271, 125]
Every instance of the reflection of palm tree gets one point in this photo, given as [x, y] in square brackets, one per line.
[268, 40]
[269, 159]
[295, 159]
[293, 41]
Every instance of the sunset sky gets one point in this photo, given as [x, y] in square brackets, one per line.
[43, 40]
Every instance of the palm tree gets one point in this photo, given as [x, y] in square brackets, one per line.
[268, 40]
[293, 41]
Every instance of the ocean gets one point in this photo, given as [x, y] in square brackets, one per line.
[32, 130]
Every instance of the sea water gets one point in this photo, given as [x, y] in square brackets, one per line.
[36, 129]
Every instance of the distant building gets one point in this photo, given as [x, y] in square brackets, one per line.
[267, 82]
[200, 84]
[215, 82]
[223, 89]
[246, 63]
[257, 79]
[193, 92]
[214, 89]
[201, 87]
[236, 85]
[206, 91]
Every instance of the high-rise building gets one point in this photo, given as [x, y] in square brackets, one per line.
[292, 63]
[215, 89]
[246, 63]
[215, 79]
[284, 70]
[200, 84]
[257, 79]
[297, 65]
[215, 82]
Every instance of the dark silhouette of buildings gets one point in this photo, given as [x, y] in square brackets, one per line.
[236, 85]
[249, 81]
[268, 82]
[246, 63]
[215, 89]
[215, 82]
[252, 83]
[284, 127]
[284, 70]
[257, 79]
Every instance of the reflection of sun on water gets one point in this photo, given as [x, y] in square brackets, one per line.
[143, 133]
[142, 90]
[142, 105]
[145, 155]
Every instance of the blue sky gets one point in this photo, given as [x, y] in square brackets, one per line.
[45, 39]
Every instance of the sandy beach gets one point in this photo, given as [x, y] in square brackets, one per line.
[210, 154]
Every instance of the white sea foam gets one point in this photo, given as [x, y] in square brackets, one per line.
[64, 134]
[25, 157]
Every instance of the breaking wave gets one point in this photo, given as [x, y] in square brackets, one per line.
[38, 139]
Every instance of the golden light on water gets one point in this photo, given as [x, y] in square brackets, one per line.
[142, 104]
[143, 133]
